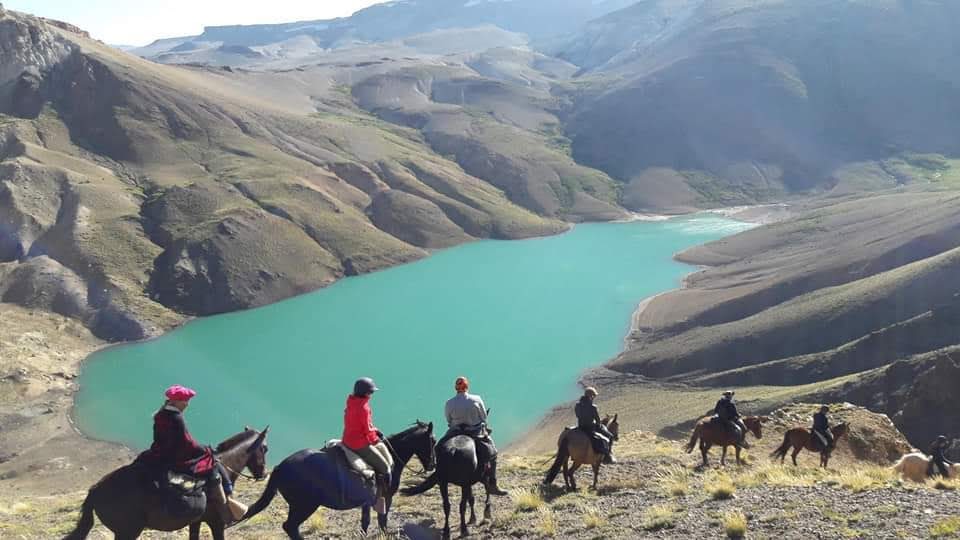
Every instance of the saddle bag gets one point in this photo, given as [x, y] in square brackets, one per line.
[183, 496]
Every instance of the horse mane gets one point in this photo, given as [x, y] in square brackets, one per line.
[235, 440]
[414, 429]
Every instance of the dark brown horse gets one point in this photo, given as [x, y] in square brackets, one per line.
[127, 504]
[712, 432]
[576, 446]
[803, 438]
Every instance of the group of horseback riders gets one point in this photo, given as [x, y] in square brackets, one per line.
[174, 449]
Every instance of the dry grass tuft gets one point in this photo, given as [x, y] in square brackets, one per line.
[593, 519]
[720, 487]
[735, 524]
[525, 500]
[946, 528]
[547, 524]
[315, 523]
[660, 517]
[675, 481]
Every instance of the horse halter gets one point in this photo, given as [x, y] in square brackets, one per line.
[243, 474]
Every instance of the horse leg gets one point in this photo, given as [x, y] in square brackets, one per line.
[566, 474]
[472, 500]
[596, 474]
[445, 495]
[487, 512]
[796, 452]
[296, 515]
[704, 448]
[128, 535]
[573, 479]
[723, 456]
[217, 531]
[195, 530]
[365, 519]
[464, 502]
[739, 461]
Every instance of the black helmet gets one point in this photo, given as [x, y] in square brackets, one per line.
[942, 438]
[824, 408]
[364, 386]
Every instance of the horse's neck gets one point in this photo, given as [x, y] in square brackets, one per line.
[234, 459]
[404, 454]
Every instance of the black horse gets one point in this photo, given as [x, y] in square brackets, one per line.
[457, 464]
[310, 479]
[127, 504]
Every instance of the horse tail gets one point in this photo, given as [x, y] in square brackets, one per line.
[781, 451]
[85, 523]
[424, 487]
[265, 499]
[561, 457]
[693, 438]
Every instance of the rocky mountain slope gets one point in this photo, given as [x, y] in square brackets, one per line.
[654, 491]
[851, 300]
[383, 22]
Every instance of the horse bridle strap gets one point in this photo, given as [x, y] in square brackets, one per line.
[241, 473]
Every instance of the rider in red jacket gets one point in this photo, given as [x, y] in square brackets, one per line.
[360, 435]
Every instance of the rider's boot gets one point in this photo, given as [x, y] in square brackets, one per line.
[492, 487]
[608, 457]
[220, 498]
[380, 507]
[743, 438]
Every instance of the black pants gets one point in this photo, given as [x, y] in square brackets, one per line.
[941, 465]
[599, 445]
[826, 435]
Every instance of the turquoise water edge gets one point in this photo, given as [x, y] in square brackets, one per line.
[521, 319]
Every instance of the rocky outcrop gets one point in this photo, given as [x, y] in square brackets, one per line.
[415, 220]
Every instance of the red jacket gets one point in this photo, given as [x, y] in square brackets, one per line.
[358, 429]
[174, 448]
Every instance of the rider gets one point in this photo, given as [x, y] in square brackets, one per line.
[821, 427]
[726, 410]
[360, 436]
[467, 414]
[174, 449]
[588, 420]
[938, 457]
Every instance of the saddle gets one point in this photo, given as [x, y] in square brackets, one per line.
[356, 463]
[180, 495]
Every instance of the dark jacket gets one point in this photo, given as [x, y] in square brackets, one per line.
[938, 451]
[588, 415]
[726, 409]
[174, 448]
[821, 423]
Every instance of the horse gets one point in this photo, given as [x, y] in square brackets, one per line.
[577, 446]
[126, 504]
[713, 432]
[914, 467]
[800, 438]
[311, 478]
[457, 464]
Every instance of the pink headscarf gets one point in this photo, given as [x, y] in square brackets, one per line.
[179, 393]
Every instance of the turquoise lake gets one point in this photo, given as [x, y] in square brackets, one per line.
[521, 319]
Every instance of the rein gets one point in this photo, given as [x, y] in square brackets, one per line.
[241, 473]
[406, 466]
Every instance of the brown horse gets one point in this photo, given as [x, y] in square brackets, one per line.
[712, 432]
[802, 438]
[577, 446]
[127, 505]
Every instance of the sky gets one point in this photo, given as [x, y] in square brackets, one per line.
[131, 22]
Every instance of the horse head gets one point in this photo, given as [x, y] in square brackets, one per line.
[424, 444]
[613, 425]
[840, 430]
[257, 455]
[755, 425]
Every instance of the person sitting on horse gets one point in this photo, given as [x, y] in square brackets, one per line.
[726, 411]
[821, 427]
[588, 421]
[466, 414]
[938, 457]
[365, 440]
[174, 449]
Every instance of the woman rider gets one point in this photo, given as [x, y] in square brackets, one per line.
[174, 449]
[360, 436]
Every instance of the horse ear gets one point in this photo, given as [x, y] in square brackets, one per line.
[430, 428]
[247, 428]
[615, 417]
[261, 437]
